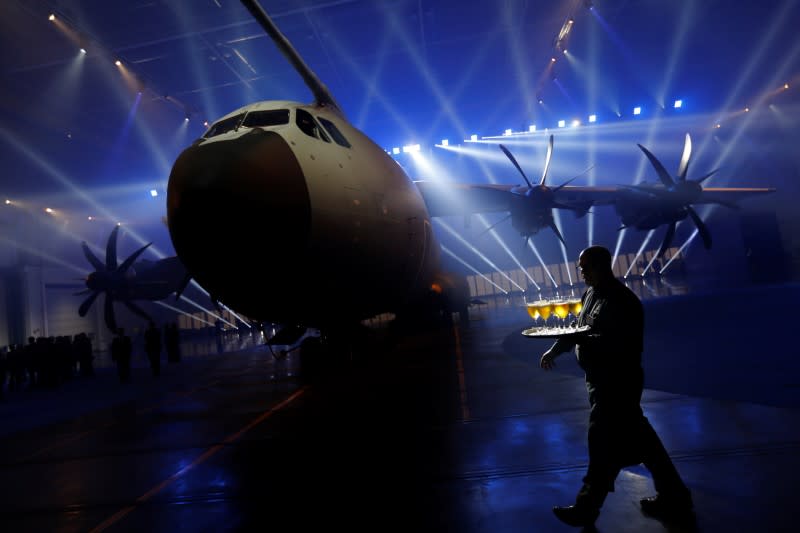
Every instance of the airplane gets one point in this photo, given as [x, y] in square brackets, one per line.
[130, 280]
[289, 214]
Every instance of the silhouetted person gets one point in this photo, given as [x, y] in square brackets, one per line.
[121, 352]
[83, 348]
[619, 433]
[152, 347]
[172, 342]
[2, 372]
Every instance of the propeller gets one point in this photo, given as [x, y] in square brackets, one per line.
[110, 278]
[532, 208]
[679, 193]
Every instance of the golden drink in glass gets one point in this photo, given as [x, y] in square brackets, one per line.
[575, 307]
[561, 309]
[533, 311]
[545, 308]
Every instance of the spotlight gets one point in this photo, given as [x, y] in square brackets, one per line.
[507, 132]
[473, 137]
[541, 101]
[8, 202]
[48, 210]
[678, 104]
[637, 110]
[562, 123]
[746, 109]
[395, 150]
[153, 193]
[52, 17]
[118, 63]
[532, 128]
[83, 50]
[205, 123]
[90, 217]
[552, 59]
[785, 85]
[592, 118]
[410, 148]
[576, 123]
[718, 125]
[445, 142]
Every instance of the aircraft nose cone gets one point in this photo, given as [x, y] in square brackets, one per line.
[220, 193]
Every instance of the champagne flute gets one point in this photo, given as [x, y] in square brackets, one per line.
[561, 310]
[545, 308]
[533, 311]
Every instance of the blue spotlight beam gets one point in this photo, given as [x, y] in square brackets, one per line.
[639, 253]
[478, 253]
[541, 262]
[472, 268]
[507, 249]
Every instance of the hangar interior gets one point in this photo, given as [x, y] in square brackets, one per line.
[88, 143]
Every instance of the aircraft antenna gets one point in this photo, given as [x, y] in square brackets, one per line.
[321, 93]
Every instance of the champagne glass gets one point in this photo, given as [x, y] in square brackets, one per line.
[575, 306]
[545, 308]
[561, 309]
[533, 311]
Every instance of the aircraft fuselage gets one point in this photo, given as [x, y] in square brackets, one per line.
[287, 213]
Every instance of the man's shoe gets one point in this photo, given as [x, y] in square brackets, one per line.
[574, 515]
[668, 509]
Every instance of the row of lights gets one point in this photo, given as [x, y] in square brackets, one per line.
[677, 104]
[118, 63]
[51, 211]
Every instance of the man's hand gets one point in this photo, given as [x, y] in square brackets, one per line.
[548, 359]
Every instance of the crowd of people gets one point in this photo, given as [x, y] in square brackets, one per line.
[46, 362]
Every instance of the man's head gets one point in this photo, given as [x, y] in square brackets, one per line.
[595, 265]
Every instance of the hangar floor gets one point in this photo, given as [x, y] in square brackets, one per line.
[452, 429]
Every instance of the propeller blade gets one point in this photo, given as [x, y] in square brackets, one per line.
[87, 303]
[667, 238]
[111, 249]
[701, 227]
[129, 261]
[558, 233]
[96, 263]
[514, 161]
[576, 176]
[683, 167]
[108, 314]
[493, 225]
[701, 180]
[136, 310]
[660, 170]
[547, 160]
[565, 183]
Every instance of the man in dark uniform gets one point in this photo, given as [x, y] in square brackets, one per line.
[620, 435]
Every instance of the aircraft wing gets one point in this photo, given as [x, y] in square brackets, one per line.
[448, 199]
[729, 195]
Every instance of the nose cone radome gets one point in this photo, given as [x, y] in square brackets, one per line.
[235, 208]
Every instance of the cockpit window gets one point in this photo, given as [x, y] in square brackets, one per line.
[335, 133]
[267, 117]
[309, 126]
[224, 126]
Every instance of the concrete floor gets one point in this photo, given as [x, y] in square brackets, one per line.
[454, 429]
